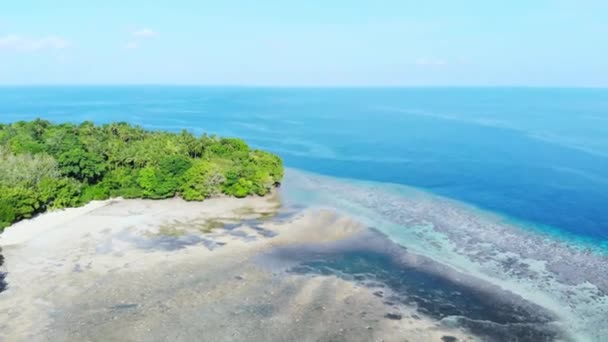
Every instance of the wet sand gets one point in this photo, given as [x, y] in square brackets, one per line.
[240, 270]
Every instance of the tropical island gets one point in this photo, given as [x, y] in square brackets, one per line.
[52, 166]
[120, 264]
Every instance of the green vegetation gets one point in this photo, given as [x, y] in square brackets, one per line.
[47, 166]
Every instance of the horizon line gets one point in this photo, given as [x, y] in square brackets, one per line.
[296, 86]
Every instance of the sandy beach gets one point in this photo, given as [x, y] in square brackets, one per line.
[219, 270]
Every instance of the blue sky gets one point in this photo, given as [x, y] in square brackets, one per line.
[314, 42]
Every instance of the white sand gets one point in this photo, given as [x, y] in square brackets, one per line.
[26, 230]
[114, 270]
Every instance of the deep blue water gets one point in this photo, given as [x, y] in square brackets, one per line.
[538, 155]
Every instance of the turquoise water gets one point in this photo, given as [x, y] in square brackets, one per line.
[537, 155]
[564, 274]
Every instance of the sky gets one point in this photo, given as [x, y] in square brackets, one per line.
[305, 43]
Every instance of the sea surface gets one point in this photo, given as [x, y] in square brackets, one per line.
[509, 185]
[539, 155]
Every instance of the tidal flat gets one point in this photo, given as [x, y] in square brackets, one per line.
[253, 269]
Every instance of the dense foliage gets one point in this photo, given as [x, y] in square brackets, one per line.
[47, 166]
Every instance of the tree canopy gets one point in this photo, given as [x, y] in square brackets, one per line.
[48, 166]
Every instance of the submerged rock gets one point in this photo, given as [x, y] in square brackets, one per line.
[393, 315]
[449, 339]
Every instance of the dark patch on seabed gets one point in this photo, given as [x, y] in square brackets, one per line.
[3, 284]
[435, 290]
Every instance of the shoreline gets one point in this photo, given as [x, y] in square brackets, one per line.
[279, 240]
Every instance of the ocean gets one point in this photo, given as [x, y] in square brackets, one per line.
[536, 155]
[509, 185]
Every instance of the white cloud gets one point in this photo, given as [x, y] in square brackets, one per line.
[28, 44]
[138, 37]
[144, 33]
[431, 62]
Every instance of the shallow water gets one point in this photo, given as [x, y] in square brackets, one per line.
[554, 273]
[433, 289]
